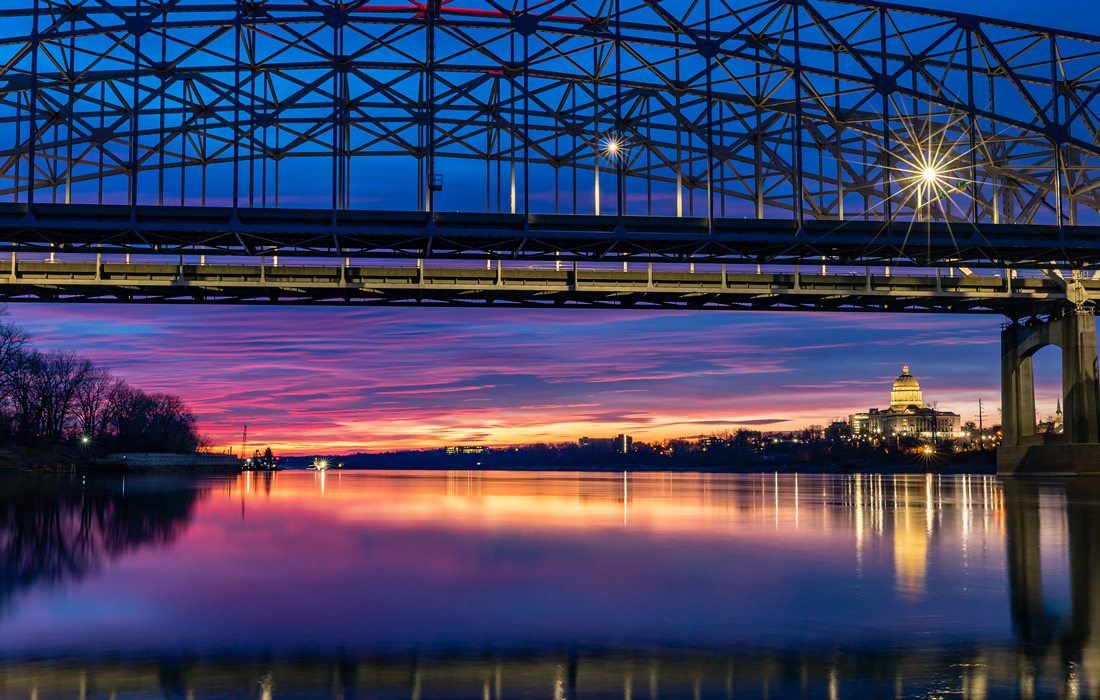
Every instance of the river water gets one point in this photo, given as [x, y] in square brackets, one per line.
[548, 585]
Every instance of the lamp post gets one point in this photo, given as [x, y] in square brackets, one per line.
[614, 149]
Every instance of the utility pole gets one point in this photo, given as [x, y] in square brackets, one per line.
[244, 442]
[935, 426]
[981, 427]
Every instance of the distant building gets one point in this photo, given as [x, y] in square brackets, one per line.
[907, 415]
[712, 442]
[838, 430]
[465, 449]
[1052, 426]
[620, 443]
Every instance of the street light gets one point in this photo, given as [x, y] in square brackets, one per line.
[934, 174]
[613, 148]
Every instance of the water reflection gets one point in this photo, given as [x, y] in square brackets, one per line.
[582, 675]
[1049, 640]
[60, 528]
[420, 585]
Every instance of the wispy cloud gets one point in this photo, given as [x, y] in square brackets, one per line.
[308, 380]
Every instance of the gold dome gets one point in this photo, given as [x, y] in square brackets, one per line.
[906, 391]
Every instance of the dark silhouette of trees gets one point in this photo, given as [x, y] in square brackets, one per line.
[141, 420]
[57, 397]
[94, 402]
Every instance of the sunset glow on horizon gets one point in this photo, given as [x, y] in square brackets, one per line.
[337, 381]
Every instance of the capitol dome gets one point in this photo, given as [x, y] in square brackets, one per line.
[906, 391]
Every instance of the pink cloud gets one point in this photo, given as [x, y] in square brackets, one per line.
[330, 380]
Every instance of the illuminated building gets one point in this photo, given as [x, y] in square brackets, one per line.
[907, 415]
[466, 449]
[711, 442]
[620, 443]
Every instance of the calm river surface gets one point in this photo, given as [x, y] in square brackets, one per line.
[548, 585]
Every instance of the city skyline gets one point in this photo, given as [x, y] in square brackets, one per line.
[386, 379]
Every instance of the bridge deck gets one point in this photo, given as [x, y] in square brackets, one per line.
[396, 234]
[510, 286]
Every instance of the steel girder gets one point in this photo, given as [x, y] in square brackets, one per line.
[107, 229]
[528, 287]
[939, 127]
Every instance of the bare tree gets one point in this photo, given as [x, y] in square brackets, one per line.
[55, 396]
[62, 376]
[25, 377]
[93, 403]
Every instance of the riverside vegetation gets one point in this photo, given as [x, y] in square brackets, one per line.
[57, 408]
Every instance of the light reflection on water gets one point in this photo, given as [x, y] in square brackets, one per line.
[526, 584]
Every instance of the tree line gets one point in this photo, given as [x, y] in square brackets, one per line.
[58, 397]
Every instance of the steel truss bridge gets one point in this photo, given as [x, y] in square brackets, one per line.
[807, 154]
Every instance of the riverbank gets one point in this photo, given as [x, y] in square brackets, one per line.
[60, 458]
[976, 462]
[202, 462]
[66, 459]
[45, 458]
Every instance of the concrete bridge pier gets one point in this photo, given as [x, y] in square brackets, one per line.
[1077, 449]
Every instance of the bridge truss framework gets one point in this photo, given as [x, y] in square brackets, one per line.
[902, 133]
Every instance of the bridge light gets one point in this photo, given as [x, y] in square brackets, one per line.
[613, 147]
[931, 175]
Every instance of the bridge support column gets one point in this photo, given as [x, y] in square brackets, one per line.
[1079, 378]
[1017, 391]
[1077, 449]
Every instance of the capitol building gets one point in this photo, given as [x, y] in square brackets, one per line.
[907, 415]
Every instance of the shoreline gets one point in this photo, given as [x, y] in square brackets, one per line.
[983, 470]
[823, 470]
[961, 463]
[65, 459]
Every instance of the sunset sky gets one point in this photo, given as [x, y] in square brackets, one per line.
[343, 380]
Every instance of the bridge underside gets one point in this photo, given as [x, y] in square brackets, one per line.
[398, 234]
[640, 286]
